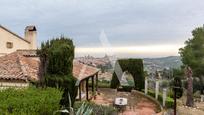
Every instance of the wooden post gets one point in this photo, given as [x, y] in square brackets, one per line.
[97, 82]
[92, 80]
[80, 91]
[87, 89]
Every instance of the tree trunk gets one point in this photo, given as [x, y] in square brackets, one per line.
[189, 101]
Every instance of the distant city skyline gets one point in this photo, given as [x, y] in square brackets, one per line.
[134, 28]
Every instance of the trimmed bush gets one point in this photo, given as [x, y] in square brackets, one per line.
[101, 84]
[169, 100]
[115, 82]
[126, 88]
[135, 68]
[31, 101]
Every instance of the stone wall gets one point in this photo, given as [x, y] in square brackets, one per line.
[5, 85]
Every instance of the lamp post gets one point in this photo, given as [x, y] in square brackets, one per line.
[175, 93]
[178, 91]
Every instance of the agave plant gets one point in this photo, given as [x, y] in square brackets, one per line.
[84, 109]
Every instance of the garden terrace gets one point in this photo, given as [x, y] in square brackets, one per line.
[138, 103]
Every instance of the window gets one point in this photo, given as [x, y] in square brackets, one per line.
[9, 45]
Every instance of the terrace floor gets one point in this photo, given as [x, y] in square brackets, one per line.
[137, 105]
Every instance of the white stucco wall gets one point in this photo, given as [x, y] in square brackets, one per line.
[5, 37]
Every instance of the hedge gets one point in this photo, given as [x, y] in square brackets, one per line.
[31, 101]
[169, 100]
[101, 84]
[134, 67]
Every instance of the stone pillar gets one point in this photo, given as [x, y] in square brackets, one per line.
[157, 89]
[202, 98]
[164, 96]
[146, 86]
[189, 101]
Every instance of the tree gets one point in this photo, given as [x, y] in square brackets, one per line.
[193, 53]
[57, 63]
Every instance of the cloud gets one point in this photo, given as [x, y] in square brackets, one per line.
[129, 22]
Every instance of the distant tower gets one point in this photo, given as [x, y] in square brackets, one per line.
[31, 35]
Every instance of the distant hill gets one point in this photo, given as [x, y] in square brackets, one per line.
[161, 63]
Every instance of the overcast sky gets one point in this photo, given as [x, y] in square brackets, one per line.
[134, 28]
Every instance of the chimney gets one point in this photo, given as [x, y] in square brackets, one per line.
[30, 36]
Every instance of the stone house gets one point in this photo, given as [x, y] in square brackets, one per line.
[18, 69]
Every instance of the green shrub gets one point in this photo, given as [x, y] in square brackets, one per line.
[169, 100]
[101, 84]
[32, 101]
[134, 67]
[126, 88]
[114, 82]
[104, 84]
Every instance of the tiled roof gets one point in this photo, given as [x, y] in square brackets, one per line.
[82, 71]
[21, 65]
[15, 66]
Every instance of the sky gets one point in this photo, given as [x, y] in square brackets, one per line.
[125, 28]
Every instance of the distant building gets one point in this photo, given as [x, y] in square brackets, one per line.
[10, 41]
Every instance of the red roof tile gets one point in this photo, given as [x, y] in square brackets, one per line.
[18, 67]
[21, 65]
[82, 71]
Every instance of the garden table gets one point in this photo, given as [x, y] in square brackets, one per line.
[120, 102]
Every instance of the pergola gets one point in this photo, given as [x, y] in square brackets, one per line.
[83, 73]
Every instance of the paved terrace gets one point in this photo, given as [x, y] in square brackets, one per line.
[137, 105]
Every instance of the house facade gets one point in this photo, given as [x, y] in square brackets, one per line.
[10, 41]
